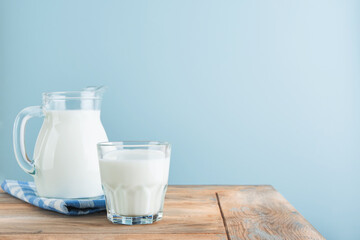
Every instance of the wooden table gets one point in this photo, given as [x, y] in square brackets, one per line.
[191, 212]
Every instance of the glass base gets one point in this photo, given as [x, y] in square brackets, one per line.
[137, 220]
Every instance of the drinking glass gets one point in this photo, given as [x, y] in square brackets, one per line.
[134, 177]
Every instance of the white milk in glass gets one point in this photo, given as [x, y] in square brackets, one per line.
[134, 181]
[66, 156]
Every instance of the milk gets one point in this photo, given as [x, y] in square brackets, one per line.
[134, 181]
[65, 154]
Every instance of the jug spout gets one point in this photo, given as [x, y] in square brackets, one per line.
[96, 91]
[89, 93]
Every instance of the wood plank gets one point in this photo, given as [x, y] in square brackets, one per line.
[185, 211]
[260, 212]
[115, 236]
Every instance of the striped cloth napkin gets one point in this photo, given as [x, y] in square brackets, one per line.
[26, 191]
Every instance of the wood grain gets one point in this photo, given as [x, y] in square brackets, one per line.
[190, 212]
[114, 236]
[183, 213]
[260, 212]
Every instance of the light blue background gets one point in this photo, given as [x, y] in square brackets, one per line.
[248, 92]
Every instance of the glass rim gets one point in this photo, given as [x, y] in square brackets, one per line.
[133, 143]
[69, 95]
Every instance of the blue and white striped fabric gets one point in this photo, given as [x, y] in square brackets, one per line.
[26, 191]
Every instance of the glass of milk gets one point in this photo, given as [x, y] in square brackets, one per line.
[134, 177]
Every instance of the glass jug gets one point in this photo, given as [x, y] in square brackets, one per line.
[65, 163]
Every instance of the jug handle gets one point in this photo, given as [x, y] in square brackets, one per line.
[19, 137]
